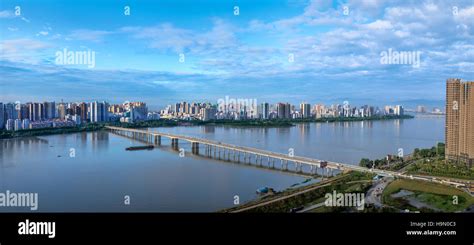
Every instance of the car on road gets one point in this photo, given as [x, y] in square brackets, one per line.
[294, 210]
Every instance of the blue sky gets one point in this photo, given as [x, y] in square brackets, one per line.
[336, 55]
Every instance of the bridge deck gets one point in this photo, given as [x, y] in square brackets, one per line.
[285, 157]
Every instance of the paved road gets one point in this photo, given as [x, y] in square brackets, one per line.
[374, 194]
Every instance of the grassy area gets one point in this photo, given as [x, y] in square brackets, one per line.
[436, 195]
[439, 167]
[442, 202]
[352, 187]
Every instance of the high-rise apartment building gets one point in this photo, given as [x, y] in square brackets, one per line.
[62, 111]
[208, 113]
[49, 110]
[17, 125]
[22, 111]
[265, 110]
[10, 111]
[36, 111]
[10, 124]
[99, 111]
[459, 130]
[25, 124]
[398, 110]
[2, 116]
[421, 109]
[83, 115]
[283, 110]
[305, 110]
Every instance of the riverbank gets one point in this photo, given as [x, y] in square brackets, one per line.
[296, 198]
[4, 134]
[89, 127]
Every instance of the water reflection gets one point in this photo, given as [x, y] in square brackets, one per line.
[99, 140]
[208, 129]
[10, 148]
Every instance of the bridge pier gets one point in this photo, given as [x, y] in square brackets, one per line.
[284, 164]
[324, 172]
[157, 140]
[195, 148]
[174, 143]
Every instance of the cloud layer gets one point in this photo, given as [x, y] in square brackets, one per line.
[326, 52]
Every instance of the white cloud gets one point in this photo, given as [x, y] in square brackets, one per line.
[22, 50]
[42, 33]
[379, 25]
[466, 16]
[168, 37]
[88, 35]
[7, 14]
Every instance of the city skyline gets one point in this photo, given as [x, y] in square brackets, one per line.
[325, 51]
[216, 102]
[32, 115]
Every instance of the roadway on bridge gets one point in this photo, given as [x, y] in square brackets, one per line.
[299, 159]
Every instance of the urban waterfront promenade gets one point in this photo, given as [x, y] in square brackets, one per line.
[242, 154]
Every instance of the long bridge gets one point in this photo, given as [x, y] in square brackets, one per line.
[263, 158]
